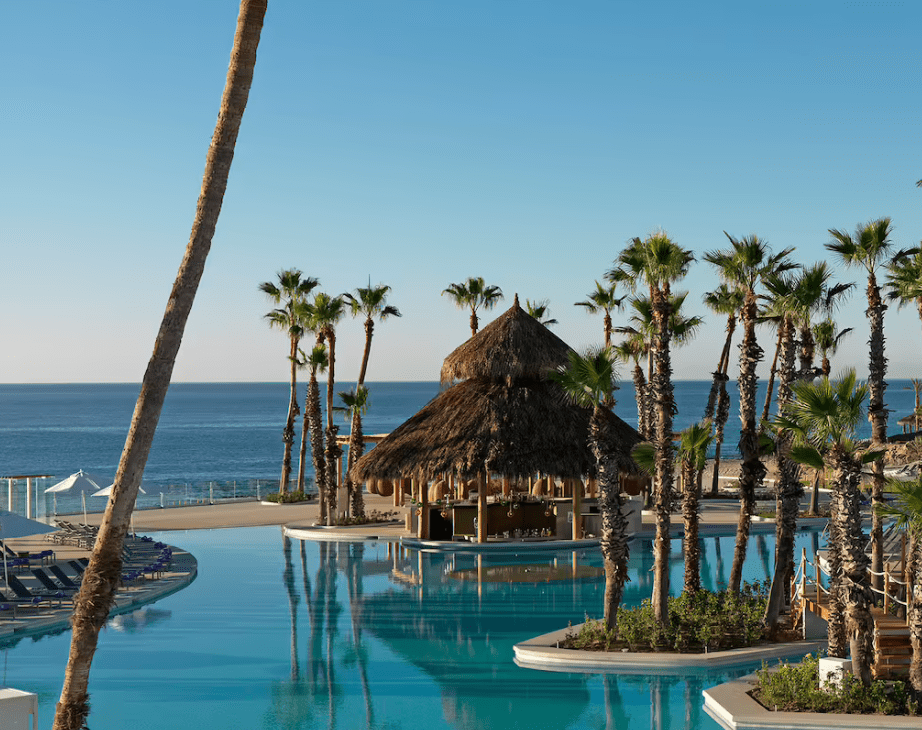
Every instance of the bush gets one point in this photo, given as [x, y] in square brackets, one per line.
[288, 497]
[795, 688]
[373, 517]
[698, 622]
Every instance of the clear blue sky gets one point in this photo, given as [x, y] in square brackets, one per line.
[421, 142]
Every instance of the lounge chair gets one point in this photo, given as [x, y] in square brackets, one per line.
[77, 566]
[62, 577]
[24, 594]
[47, 581]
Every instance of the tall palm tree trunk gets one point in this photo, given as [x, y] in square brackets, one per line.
[788, 492]
[356, 438]
[915, 611]
[877, 414]
[640, 391]
[663, 476]
[753, 470]
[288, 434]
[837, 644]
[356, 449]
[102, 577]
[313, 422]
[691, 544]
[615, 548]
[723, 415]
[771, 379]
[859, 625]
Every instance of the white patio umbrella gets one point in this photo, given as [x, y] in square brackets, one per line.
[81, 483]
[13, 525]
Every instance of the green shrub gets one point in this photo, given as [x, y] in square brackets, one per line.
[795, 688]
[373, 517]
[701, 621]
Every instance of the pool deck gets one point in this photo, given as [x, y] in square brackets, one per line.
[28, 621]
[717, 515]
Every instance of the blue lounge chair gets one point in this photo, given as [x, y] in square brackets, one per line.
[47, 581]
[62, 577]
[24, 594]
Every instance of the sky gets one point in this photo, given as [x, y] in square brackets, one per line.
[418, 143]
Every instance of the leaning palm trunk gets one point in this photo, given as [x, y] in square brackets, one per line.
[663, 473]
[102, 577]
[856, 591]
[788, 492]
[614, 524]
[691, 544]
[753, 470]
[877, 414]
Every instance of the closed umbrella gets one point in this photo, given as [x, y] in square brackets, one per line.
[13, 525]
[81, 483]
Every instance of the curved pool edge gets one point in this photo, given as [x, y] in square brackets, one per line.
[127, 599]
[544, 653]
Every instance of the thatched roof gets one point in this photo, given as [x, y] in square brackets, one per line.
[512, 430]
[513, 347]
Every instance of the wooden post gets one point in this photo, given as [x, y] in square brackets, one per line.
[577, 487]
[482, 509]
[886, 589]
[507, 486]
[817, 567]
[424, 509]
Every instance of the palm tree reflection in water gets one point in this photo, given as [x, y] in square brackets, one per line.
[420, 620]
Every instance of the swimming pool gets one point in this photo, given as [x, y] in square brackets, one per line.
[282, 634]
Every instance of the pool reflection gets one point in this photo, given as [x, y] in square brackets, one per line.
[375, 610]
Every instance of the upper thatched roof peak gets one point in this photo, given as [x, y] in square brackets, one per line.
[515, 346]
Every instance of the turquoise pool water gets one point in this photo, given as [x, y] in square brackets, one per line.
[283, 634]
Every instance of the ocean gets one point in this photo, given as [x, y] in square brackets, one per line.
[220, 440]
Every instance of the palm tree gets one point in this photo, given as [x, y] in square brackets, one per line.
[355, 405]
[322, 316]
[916, 385]
[868, 248]
[789, 489]
[96, 595]
[316, 362]
[907, 508]
[823, 418]
[540, 310]
[641, 332]
[828, 337]
[632, 349]
[693, 445]
[658, 262]
[746, 264]
[371, 302]
[727, 300]
[290, 292]
[474, 294]
[590, 382]
[904, 278]
[603, 299]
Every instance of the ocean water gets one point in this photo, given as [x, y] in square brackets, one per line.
[224, 439]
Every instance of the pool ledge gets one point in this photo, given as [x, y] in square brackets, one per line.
[543, 652]
[732, 707]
